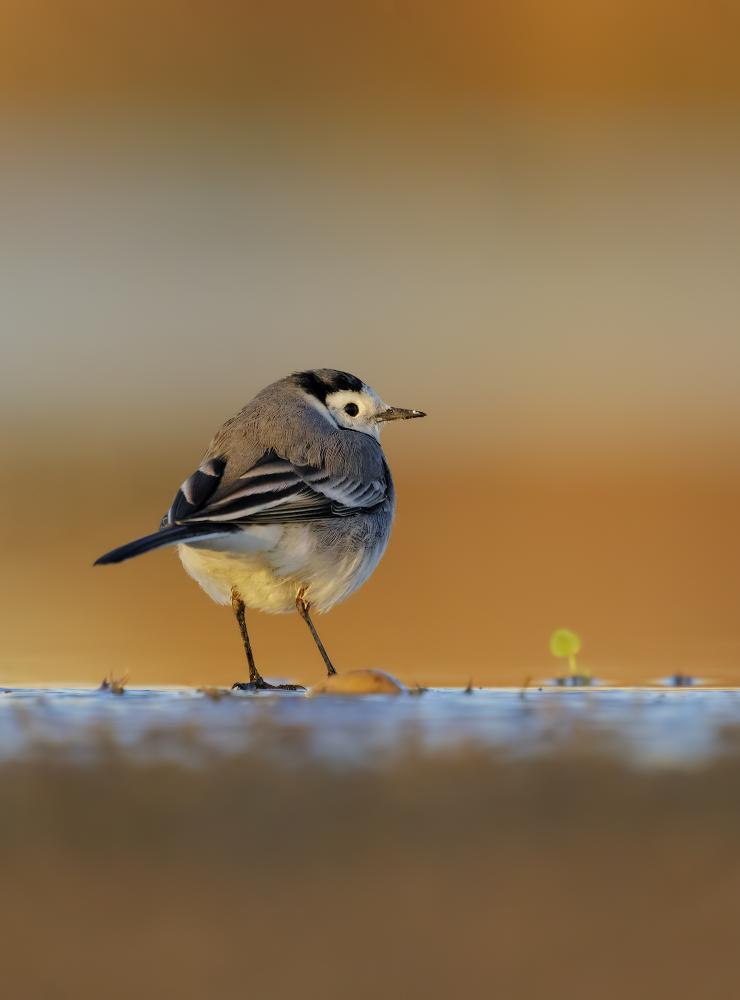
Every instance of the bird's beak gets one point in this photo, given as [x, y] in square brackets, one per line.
[397, 413]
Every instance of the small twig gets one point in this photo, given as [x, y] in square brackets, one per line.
[116, 685]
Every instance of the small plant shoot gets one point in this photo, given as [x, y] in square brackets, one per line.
[566, 645]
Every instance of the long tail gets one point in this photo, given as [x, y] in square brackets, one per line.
[172, 535]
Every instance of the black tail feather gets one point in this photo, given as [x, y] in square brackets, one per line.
[172, 535]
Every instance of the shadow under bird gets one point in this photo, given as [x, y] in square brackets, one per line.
[292, 505]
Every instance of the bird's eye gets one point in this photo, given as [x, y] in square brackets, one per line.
[352, 409]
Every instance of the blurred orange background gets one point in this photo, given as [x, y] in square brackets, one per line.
[520, 218]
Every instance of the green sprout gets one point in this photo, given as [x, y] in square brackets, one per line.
[565, 644]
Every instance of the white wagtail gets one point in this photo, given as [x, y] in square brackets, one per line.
[292, 505]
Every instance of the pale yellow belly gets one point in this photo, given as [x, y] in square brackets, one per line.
[252, 576]
[270, 576]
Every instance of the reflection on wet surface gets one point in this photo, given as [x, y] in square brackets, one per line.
[645, 726]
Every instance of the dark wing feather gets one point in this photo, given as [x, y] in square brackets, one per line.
[196, 491]
[273, 491]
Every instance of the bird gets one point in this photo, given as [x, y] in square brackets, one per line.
[291, 507]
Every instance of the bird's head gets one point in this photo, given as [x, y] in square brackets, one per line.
[349, 402]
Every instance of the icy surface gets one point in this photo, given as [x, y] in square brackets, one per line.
[647, 726]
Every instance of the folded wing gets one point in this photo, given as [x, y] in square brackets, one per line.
[273, 491]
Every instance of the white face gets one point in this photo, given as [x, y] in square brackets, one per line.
[357, 411]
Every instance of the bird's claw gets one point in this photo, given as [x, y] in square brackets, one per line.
[263, 685]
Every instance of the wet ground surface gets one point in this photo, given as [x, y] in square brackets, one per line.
[501, 843]
[650, 727]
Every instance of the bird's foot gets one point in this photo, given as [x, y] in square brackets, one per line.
[260, 684]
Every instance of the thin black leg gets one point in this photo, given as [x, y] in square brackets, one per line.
[239, 609]
[303, 608]
[256, 680]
